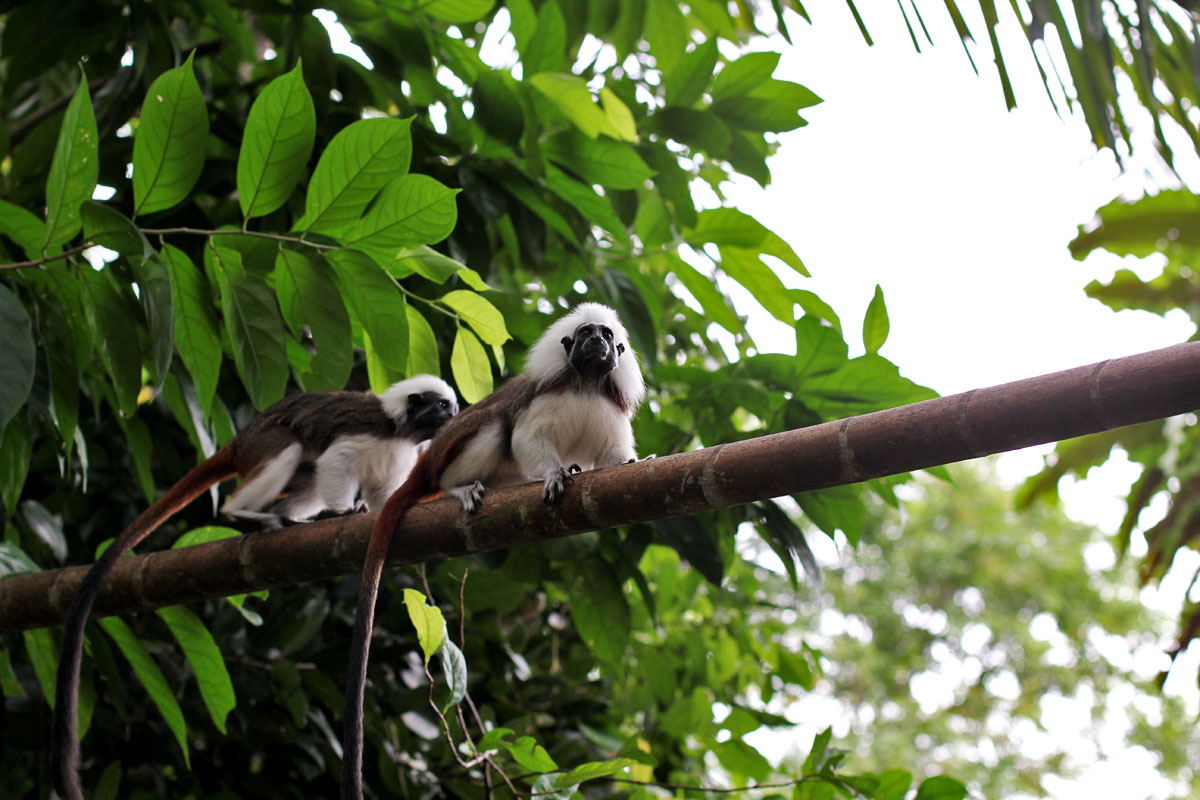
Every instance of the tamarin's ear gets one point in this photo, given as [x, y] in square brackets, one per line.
[620, 349]
[567, 341]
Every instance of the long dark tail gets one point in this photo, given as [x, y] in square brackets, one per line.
[64, 754]
[418, 484]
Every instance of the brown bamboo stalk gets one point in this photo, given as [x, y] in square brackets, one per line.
[1061, 405]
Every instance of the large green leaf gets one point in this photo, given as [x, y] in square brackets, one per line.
[309, 299]
[685, 84]
[470, 367]
[197, 336]
[422, 345]
[151, 677]
[600, 610]
[205, 659]
[74, 170]
[875, 323]
[154, 284]
[172, 140]
[480, 314]
[115, 335]
[457, 11]
[255, 329]
[746, 268]
[16, 447]
[596, 210]
[23, 227]
[704, 289]
[410, 211]
[428, 621]
[377, 303]
[16, 368]
[277, 142]
[359, 161]
[571, 96]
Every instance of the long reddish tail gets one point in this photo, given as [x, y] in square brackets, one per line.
[417, 486]
[64, 755]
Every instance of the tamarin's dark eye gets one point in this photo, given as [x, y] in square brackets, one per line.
[443, 403]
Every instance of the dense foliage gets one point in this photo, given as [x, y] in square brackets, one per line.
[276, 215]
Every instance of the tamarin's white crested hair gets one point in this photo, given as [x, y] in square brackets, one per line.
[395, 397]
[547, 357]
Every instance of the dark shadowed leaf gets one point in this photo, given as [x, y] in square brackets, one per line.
[16, 368]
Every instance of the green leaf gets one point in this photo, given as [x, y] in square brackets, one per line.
[875, 323]
[596, 210]
[480, 314]
[359, 161]
[600, 610]
[470, 367]
[255, 329]
[309, 298]
[109, 785]
[545, 50]
[746, 268]
[410, 211]
[154, 284]
[204, 656]
[422, 345]
[171, 142]
[941, 787]
[531, 755]
[74, 170]
[742, 759]
[685, 84]
[115, 335]
[431, 627]
[893, 785]
[618, 114]
[612, 164]
[571, 96]
[379, 306]
[23, 227]
[16, 448]
[43, 655]
[493, 738]
[816, 756]
[742, 76]
[16, 368]
[727, 226]
[454, 665]
[110, 228]
[197, 336]
[592, 770]
[458, 11]
[151, 677]
[9, 685]
[667, 32]
[704, 289]
[772, 106]
[276, 144]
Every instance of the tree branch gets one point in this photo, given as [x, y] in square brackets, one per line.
[1061, 405]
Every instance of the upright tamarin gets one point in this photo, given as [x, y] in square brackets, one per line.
[308, 452]
[569, 410]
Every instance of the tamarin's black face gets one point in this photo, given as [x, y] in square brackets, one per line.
[429, 411]
[593, 351]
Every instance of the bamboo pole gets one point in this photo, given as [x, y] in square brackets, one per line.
[1061, 405]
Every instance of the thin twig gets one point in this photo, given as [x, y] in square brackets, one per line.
[37, 262]
[74, 251]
